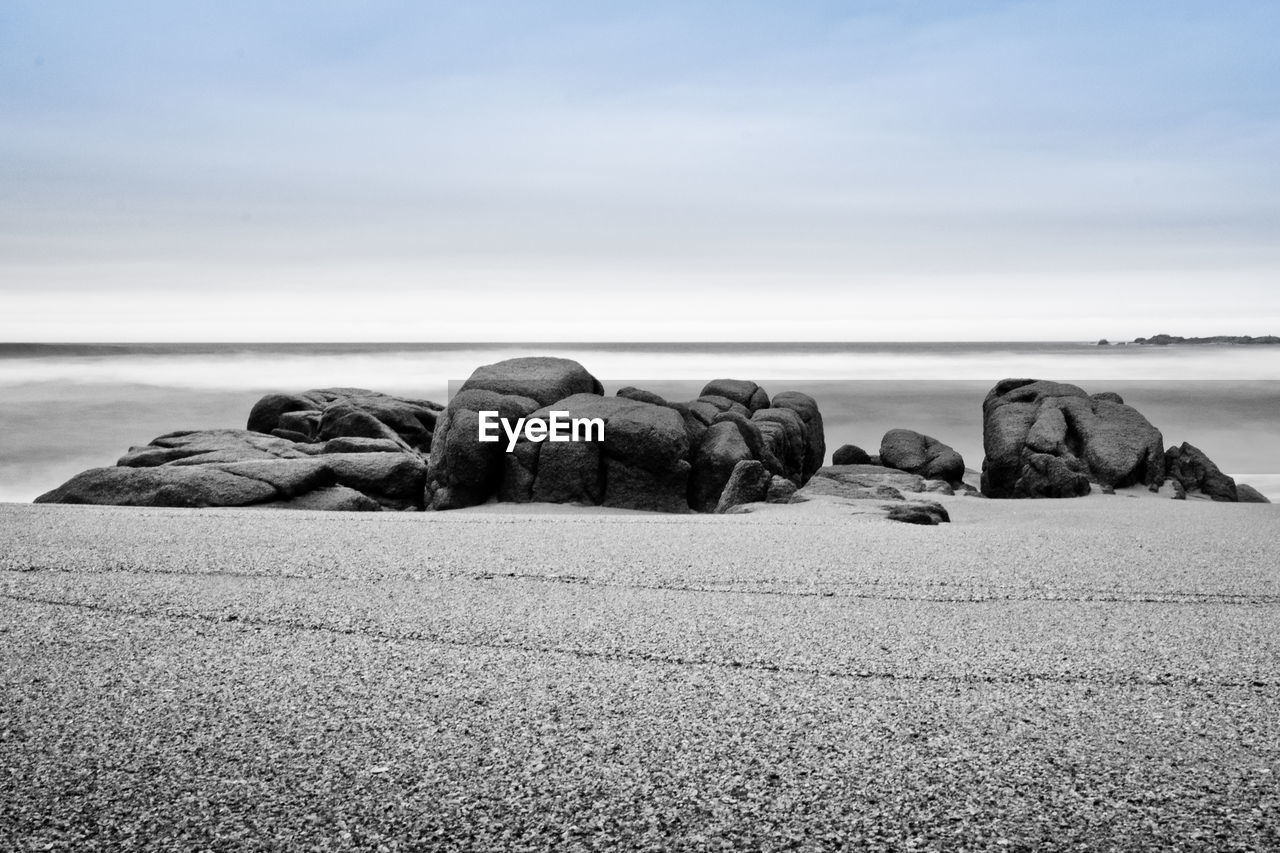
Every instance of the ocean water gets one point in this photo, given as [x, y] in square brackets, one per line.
[70, 407]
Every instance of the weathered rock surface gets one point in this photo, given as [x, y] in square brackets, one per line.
[908, 450]
[462, 470]
[210, 468]
[847, 478]
[1195, 472]
[541, 378]
[355, 449]
[163, 485]
[1052, 439]
[919, 512]
[781, 490]
[330, 499]
[850, 454]
[815, 439]
[722, 448]
[641, 464]
[328, 413]
[749, 483]
[1247, 494]
[744, 392]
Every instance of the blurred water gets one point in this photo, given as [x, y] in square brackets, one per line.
[67, 408]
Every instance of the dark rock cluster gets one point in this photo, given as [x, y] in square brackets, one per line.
[1051, 440]
[1054, 440]
[352, 449]
[338, 449]
[656, 455]
[1166, 340]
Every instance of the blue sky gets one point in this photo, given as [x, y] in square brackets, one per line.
[609, 171]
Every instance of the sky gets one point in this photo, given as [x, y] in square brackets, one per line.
[605, 171]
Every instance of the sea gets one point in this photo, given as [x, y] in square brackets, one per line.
[68, 407]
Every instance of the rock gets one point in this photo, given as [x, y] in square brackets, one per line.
[199, 447]
[327, 413]
[395, 480]
[1104, 342]
[1195, 472]
[869, 477]
[722, 448]
[939, 487]
[721, 405]
[464, 471]
[1247, 494]
[781, 490]
[347, 420]
[289, 477]
[807, 408]
[330, 499]
[911, 451]
[642, 396]
[919, 512]
[163, 485]
[641, 464]
[351, 444]
[1051, 439]
[837, 489]
[749, 483]
[266, 413]
[1166, 340]
[850, 454]
[745, 393]
[785, 436]
[754, 436]
[541, 378]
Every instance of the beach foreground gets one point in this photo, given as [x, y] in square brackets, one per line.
[1101, 673]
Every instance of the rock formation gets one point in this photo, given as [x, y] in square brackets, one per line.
[657, 455]
[1051, 439]
[850, 454]
[1194, 472]
[907, 450]
[343, 449]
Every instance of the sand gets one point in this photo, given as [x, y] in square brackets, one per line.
[1101, 673]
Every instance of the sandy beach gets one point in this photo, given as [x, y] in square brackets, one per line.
[1099, 673]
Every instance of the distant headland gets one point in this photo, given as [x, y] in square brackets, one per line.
[1166, 340]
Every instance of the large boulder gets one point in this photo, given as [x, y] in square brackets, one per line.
[541, 378]
[1052, 439]
[723, 447]
[911, 451]
[815, 439]
[744, 392]
[163, 485]
[785, 436]
[1188, 466]
[327, 413]
[641, 463]
[231, 468]
[464, 471]
[749, 483]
